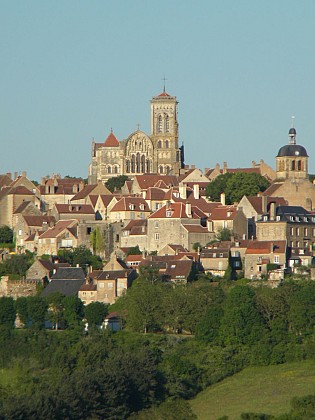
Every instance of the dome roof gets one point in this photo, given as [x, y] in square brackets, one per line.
[292, 150]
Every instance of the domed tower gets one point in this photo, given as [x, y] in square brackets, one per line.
[292, 159]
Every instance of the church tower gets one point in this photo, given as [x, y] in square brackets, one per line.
[164, 134]
[292, 159]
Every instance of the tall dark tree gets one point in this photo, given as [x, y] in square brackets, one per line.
[116, 182]
[7, 312]
[95, 313]
[6, 235]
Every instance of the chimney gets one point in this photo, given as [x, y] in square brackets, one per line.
[217, 166]
[224, 167]
[264, 201]
[196, 191]
[182, 191]
[9, 175]
[15, 175]
[24, 173]
[271, 247]
[272, 211]
[222, 199]
[188, 209]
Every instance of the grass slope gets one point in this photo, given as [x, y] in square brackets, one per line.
[267, 389]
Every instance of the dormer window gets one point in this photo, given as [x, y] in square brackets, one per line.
[168, 213]
[278, 218]
[131, 206]
[141, 206]
[265, 218]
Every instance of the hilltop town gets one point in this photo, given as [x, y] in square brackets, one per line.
[142, 206]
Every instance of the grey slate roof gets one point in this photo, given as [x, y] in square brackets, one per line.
[66, 287]
[69, 273]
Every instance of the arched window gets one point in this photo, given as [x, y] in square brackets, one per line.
[167, 144]
[138, 163]
[293, 165]
[159, 124]
[109, 170]
[299, 166]
[133, 164]
[143, 163]
[161, 169]
[148, 166]
[115, 169]
[167, 169]
[128, 166]
[167, 123]
[159, 144]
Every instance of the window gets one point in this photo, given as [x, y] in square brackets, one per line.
[167, 123]
[291, 231]
[159, 144]
[101, 284]
[156, 236]
[276, 259]
[278, 218]
[156, 224]
[20, 232]
[131, 206]
[167, 144]
[117, 237]
[297, 231]
[168, 213]
[221, 254]
[141, 206]
[132, 215]
[159, 124]
[305, 231]
[88, 230]
[110, 285]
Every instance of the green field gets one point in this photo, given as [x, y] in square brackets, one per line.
[258, 389]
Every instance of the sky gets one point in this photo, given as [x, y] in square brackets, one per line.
[72, 70]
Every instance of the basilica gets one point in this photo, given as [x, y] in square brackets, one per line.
[140, 153]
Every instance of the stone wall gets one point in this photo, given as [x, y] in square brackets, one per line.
[18, 288]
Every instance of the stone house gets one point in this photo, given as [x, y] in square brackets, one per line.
[59, 190]
[11, 199]
[291, 223]
[254, 207]
[129, 208]
[228, 217]
[261, 253]
[82, 197]
[62, 235]
[79, 212]
[66, 280]
[27, 226]
[215, 259]
[135, 233]
[108, 284]
[168, 225]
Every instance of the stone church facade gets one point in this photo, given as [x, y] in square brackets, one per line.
[141, 153]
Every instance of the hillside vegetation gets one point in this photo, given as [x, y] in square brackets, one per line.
[267, 389]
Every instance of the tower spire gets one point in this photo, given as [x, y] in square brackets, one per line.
[292, 132]
[164, 79]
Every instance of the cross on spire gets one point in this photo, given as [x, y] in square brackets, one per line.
[138, 127]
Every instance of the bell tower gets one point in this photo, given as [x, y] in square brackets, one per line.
[164, 134]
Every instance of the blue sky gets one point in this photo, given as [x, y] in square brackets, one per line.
[71, 70]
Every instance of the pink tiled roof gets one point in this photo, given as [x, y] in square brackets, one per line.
[111, 141]
[58, 228]
[74, 208]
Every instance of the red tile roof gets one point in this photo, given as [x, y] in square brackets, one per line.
[163, 94]
[111, 141]
[196, 228]
[256, 202]
[151, 180]
[223, 213]
[39, 220]
[74, 208]
[125, 203]
[264, 247]
[58, 228]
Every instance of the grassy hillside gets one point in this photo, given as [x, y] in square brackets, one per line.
[258, 389]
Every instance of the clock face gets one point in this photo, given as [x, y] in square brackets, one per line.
[297, 153]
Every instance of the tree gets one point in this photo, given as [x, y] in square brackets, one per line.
[6, 235]
[134, 250]
[241, 322]
[7, 312]
[143, 306]
[236, 185]
[55, 308]
[149, 274]
[224, 234]
[95, 313]
[97, 241]
[21, 309]
[116, 182]
[73, 311]
[82, 256]
[217, 187]
[37, 310]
